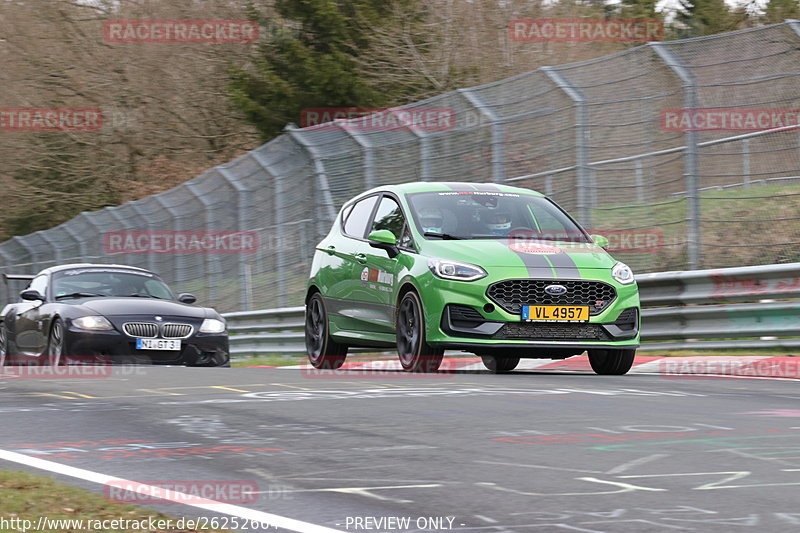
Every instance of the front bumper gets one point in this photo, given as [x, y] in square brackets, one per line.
[482, 326]
[468, 330]
[115, 347]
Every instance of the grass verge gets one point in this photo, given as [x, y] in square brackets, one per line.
[25, 496]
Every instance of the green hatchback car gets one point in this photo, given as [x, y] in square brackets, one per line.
[499, 271]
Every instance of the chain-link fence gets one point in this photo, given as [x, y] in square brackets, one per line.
[592, 135]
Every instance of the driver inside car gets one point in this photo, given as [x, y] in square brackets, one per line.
[496, 222]
[431, 219]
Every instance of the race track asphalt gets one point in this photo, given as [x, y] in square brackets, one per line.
[530, 451]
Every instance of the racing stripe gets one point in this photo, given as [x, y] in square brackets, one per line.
[486, 187]
[538, 266]
[564, 267]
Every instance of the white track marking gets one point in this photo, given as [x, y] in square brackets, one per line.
[636, 462]
[218, 507]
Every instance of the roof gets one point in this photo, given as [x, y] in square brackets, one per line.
[437, 186]
[59, 268]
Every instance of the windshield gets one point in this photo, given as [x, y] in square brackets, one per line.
[108, 282]
[482, 215]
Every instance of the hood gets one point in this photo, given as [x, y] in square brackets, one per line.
[142, 306]
[520, 252]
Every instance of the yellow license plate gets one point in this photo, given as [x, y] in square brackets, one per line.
[555, 313]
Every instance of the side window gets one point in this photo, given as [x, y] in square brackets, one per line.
[405, 240]
[355, 224]
[39, 283]
[389, 216]
[346, 212]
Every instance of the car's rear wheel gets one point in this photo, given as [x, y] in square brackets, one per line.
[611, 362]
[55, 344]
[499, 365]
[416, 355]
[323, 351]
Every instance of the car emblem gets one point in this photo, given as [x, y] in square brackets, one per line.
[158, 318]
[555, 290]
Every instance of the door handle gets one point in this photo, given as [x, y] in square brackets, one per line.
[330, 250]
[361, 258]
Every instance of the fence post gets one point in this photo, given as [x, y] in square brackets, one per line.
[211, 287]
[151, 259]
[585, 199]
[368, 165]
[326, 204]
[245, 291]
[498, 140]
[56, 250]
[279, 207]
[76, 237]
[424, 152]
[746, 163]
[690, 163]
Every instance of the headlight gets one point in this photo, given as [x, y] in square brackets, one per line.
[212, 325]
[622, 273]
[93, 323]
[455, 270]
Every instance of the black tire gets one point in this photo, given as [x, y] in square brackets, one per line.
[3, 345]
[416, 355]
[611, 362]
[499, 365]
[54, 354]
[323, 351]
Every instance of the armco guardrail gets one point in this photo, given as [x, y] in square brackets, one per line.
[270, 331]
[711, 309]
[721, 308]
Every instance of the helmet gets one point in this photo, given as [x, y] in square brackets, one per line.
[431, 219]
[498, 222]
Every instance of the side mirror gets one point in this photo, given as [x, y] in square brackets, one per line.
[600, 241]
[31, 295]
[384, 239]
[187, 298]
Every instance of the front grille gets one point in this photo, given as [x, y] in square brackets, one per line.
[176, 331]
[555, 331]
[512, 294]
[145, 330]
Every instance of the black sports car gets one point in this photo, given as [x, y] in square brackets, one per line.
[108, 314]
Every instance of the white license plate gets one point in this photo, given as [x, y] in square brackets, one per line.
[158, 344]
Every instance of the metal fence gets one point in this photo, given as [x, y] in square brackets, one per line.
[728, 308]
[588, 134]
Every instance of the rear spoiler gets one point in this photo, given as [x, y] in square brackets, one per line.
[22, 277]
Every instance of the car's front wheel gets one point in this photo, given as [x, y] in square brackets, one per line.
[323, 351]
[611, 362]
[55, 344]
[499, 365]
[416, 355]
